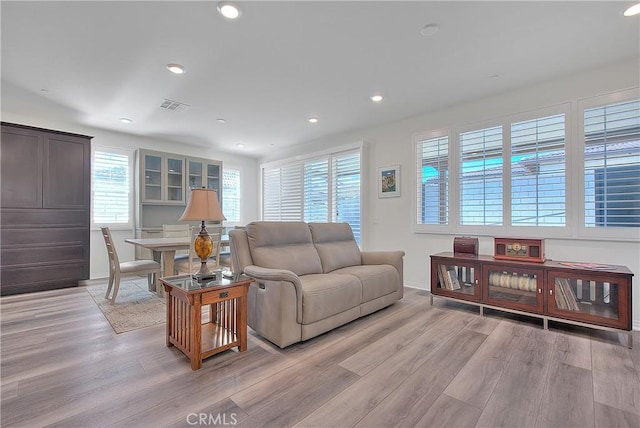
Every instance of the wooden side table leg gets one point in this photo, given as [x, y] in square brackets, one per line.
[169, 325]
[241, 321]
[196, 333]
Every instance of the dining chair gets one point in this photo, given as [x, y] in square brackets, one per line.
[191, 263]
[118, 269]
[178, 231]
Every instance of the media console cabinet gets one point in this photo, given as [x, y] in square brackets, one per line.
[558, 291]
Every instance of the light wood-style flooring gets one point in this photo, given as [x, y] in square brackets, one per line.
[410, 365]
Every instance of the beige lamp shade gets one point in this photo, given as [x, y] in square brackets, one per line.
[203, 205]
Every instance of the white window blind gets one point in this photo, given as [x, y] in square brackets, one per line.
[319, 188]
[345, 171]
[481, 199]
[111, 187]
[231, 194]
[612, 165]
[282, 193]
[538, 172]
[432, 185]
[316, 186]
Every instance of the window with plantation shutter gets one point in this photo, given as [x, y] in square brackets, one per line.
[318, 188]
[432, 185]
[231, 195]
[111, 188]
[612, 165]
[481, 195]
[432, 176]
[282, 193]
[538, 172]
[345, 173]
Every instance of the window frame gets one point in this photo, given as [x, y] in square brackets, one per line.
[447, 227]
[506, 229]
[330, 154]
[130, 160]
[604, 233]
[230, 223]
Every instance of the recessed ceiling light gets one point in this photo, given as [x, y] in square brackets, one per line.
[175, 68]
[125, 120]
[376, 98]
[228, 10]
[240, 145]
[429, 30]
[220, 120]
[633, 10]
[313, 120]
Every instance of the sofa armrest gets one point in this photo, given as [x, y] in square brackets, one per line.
[393, 258]
[263, 275]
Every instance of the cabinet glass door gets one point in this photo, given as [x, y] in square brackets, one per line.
[517, 288]
[456, 279]
[194, 169]
[152, 178]
[175, 180]
[213, 178]
[589, 298]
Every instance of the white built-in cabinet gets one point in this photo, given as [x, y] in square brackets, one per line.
[163, 183]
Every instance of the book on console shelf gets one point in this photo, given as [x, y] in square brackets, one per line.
[565, 297]
[453, 275]
[440, 278]
[448, 278]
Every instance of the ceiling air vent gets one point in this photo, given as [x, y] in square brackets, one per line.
[174, 105]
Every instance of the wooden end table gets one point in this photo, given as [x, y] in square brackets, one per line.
[227, 327]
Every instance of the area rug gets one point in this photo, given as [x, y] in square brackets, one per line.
[135, 306]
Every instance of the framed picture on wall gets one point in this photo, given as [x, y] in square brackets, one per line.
[389, 181]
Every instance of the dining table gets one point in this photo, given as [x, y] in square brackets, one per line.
[164, 250]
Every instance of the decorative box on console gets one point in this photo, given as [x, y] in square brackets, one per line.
[465, 244]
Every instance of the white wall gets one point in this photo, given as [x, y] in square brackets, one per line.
[388, 223]
[248, 167]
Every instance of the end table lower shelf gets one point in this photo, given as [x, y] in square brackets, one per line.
[227, 304]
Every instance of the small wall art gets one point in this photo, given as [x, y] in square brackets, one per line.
[389, 181]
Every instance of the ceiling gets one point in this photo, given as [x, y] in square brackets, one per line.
[280, 63]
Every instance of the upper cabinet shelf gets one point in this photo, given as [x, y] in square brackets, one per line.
[164, 182]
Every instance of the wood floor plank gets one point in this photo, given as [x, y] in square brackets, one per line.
[286, 408]
[449, 412]
[607, 416]
[518, 394]
[616, 380]
[476, 381]
[576, 350]
[366, 359]
[567, 399]
[356, 401]
[413, 398]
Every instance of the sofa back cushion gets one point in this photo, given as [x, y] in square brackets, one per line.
[336, 245]
[283, 245]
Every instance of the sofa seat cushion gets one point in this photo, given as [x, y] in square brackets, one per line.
[324, 295]
[377, 280]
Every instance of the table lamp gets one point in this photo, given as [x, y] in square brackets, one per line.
[203, 206]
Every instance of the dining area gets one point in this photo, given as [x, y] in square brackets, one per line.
[200, 251]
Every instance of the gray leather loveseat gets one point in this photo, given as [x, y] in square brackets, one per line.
[311, 278]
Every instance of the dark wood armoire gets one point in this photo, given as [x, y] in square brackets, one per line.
[44, 209]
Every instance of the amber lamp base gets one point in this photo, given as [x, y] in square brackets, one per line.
[203, 247]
